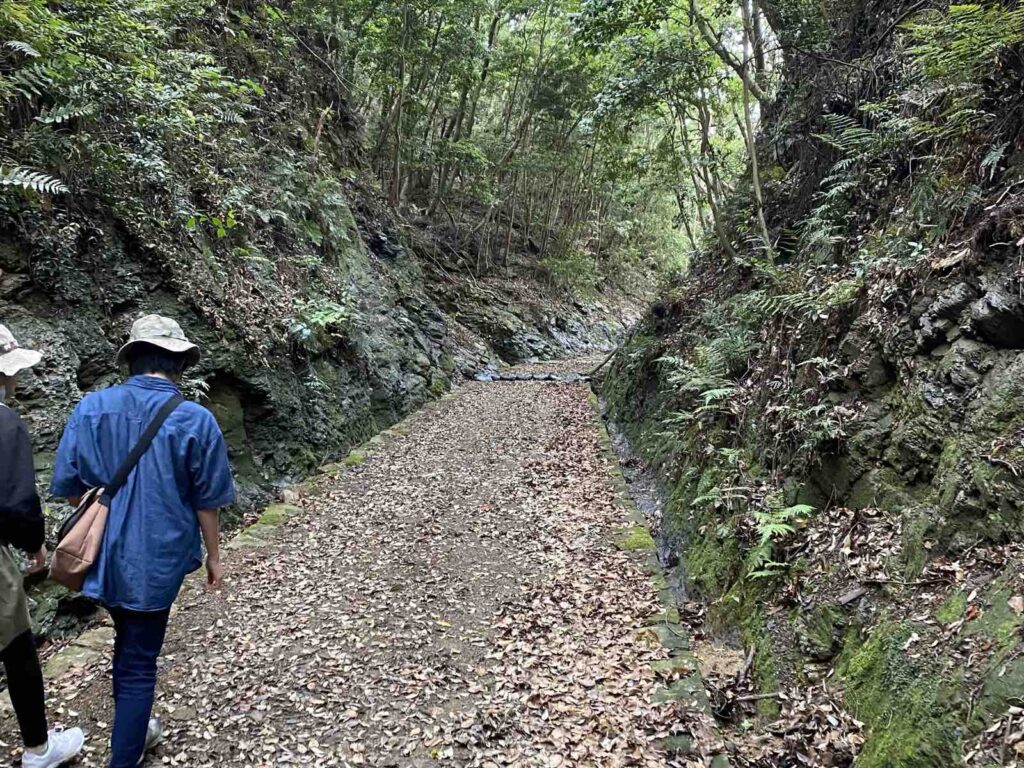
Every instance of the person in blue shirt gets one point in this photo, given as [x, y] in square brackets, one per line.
[157, 522]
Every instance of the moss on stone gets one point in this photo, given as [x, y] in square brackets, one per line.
[711, 564]
[910, 705]
[688, 690]
[635, 539]
[331, 470]
[952, 609]
[947, 477]
[263, 530]
[914, 554]
[1003, 685]
[677, 745]
[354, 458]
[997, 620]
[765, 669]
[818, 631]
[439, 385]
[276, 514]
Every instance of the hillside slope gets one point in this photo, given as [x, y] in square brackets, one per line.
[839, 421]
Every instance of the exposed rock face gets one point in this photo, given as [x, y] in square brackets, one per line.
[297, 405]
[930, 394]
[998, 317]
[940, 322]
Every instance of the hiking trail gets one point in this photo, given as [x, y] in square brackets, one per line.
[451, 595]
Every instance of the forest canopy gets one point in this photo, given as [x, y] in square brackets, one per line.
[593, 135]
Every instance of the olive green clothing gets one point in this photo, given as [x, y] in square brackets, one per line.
[14, 617]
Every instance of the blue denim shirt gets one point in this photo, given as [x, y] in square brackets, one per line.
[152, 539]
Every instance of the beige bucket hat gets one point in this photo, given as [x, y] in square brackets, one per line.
[12, 357]
[161, 332]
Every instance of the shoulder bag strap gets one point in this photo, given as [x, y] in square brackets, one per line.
[140, 448]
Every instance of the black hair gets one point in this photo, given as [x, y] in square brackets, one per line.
[148, 358]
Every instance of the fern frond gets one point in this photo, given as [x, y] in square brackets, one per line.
[64, 113]
[22, 48]
[714, 395]
[30, 81]
[32, 181]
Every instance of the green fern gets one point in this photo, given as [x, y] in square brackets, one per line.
[993, 157]
[715, 395]
[64, 113]
[22, 48]
[773, 524]
[32, 181]
[29, 81]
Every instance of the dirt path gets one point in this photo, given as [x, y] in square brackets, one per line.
[453, 599]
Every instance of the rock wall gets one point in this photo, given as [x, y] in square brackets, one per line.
[285, 407]
[840, 430]
[294, 397]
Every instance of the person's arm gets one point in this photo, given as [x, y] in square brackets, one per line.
[209, 525]
[212, 488]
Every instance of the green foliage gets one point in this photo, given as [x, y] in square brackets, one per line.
[908, 704]
[773, 523]
[317, 321]
[573, 270]
[957, 46]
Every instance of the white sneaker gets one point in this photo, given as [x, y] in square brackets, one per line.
[61, 746]
[154, 735]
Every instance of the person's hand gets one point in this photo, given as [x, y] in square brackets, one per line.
[214, 572]
[37, 560]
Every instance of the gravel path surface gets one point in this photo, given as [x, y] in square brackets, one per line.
[454, 599]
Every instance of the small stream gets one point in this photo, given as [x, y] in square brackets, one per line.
[649, 495]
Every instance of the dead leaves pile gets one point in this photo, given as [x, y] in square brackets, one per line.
[1002, 743]
[813, 730]
[572, 684]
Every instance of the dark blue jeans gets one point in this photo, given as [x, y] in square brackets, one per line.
[137, 643]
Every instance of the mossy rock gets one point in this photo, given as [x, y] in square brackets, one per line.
[952, 609]
[635, 539]
[680, 744]
[56, 611]
[355, 458]
[687, 690]
[89, 647]
[912, 707]
[1003, 686]
[819, 631]
[276, 514]
[997, 620]
[917, 525]
[439, 385]
[263, 530]
[712, 563]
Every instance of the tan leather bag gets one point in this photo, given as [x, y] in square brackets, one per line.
[80, 544]
[81, 534]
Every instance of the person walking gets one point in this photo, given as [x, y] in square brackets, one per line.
[22, 526]
[167, 506]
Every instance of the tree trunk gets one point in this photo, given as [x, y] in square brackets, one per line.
[395, 188]
[492, 34]
[755, 176]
